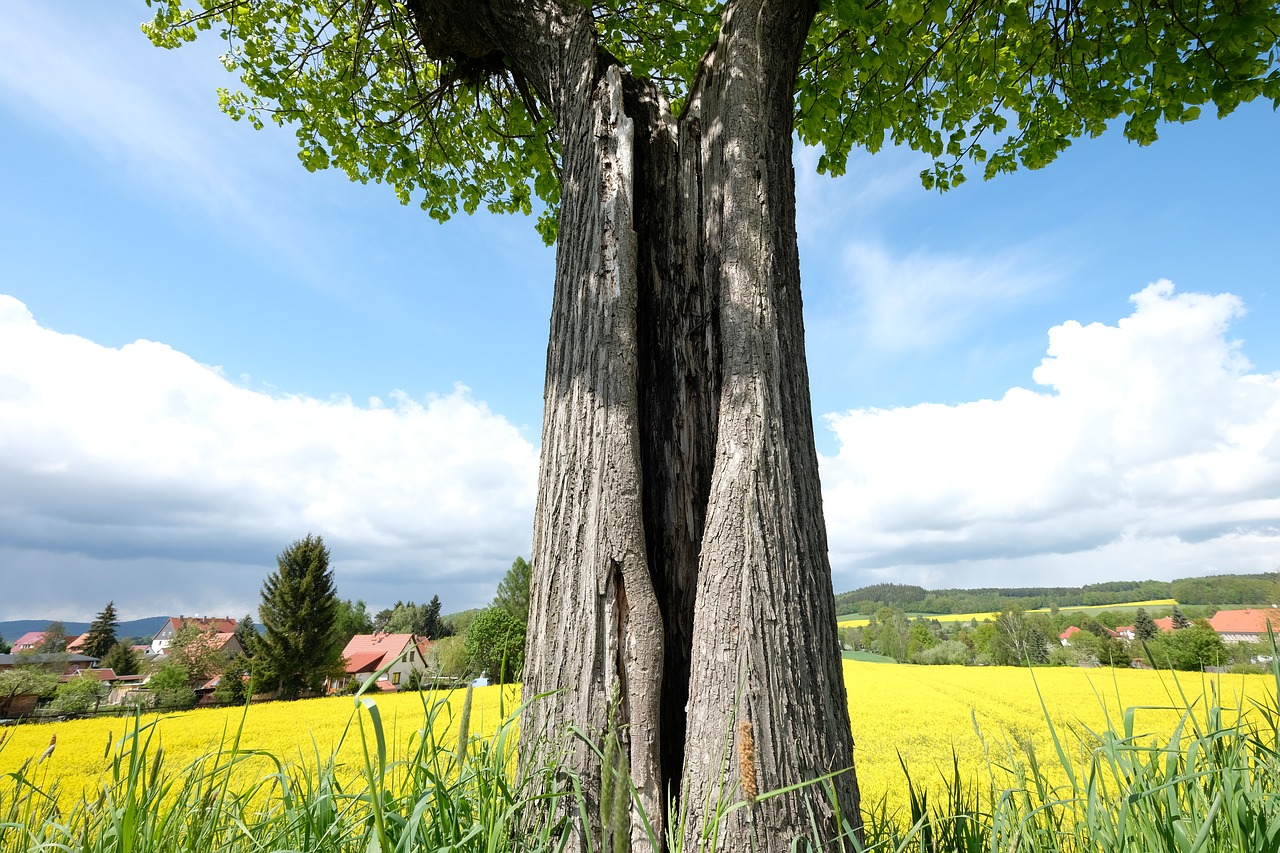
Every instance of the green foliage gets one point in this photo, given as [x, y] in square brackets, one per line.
[1222, 590]
[352, 619]
[421, 620]
[1003, 84]
[1017, 640]
[947, 652]
[367, 98]
[449, 657]
[495, 645]
[27, 680]
[298, 652]
[1144, 627]
[121, 660]
[247, 634]
[1179, 620]
[995, 83]
[1212, 590]
[102, 633]
[170, 686]
[55, 639]
[1192, 648]
[80, 694]
[194, 651]
[4, 647]
[234, 681]
[513, 591]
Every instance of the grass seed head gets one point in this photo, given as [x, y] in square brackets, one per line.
[747, 762]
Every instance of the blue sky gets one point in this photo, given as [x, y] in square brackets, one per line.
[1060, 377]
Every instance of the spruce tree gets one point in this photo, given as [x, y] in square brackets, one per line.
[102, 633]
[434, 627]
[299, 604]
[1179, 620]
[247, 634]
[121, 660]
[1144, 627]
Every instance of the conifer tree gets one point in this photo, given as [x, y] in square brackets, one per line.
[121, 660]
[1144, 627]
[1179, 620]
[299, 604]
[102, 632]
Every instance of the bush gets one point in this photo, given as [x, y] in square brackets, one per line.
[948, 652]
[80, 694]
[1192, 648]
[171, 687]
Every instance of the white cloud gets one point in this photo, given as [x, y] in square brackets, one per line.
[140, 454]
[925, 300]
[1151, 452]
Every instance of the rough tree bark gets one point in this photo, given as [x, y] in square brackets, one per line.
[681, 582]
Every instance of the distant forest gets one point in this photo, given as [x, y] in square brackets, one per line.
[1220, 590]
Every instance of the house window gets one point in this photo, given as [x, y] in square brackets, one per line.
[395, 678]
[410, 657]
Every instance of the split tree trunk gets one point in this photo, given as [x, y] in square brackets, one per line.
[681, 582]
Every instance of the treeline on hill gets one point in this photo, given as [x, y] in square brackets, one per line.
[1018, 638]
[1220, 590]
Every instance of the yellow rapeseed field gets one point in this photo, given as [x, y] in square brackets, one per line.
[923, 713]
[294, 732]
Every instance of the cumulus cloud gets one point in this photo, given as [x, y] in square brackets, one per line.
[142, 471]
[1149, 450]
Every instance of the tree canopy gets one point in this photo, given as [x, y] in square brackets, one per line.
[102, 632]
[513, 590]
[992, 84]
[299, 649]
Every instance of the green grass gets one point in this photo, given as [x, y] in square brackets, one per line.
[869, 657]
[1213, 786]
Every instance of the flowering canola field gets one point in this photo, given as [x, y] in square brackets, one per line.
[988, 716]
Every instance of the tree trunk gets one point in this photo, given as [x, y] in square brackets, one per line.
[681, 583]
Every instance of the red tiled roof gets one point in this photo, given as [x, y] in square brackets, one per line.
[77, 642]
[381, 643]
[1247, 621]
[218, 624]
[100, 674]
[363, 662]
[1067, 634]
[1164, 623]
[29, 640]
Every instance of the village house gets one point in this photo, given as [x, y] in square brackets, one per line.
[365, 654]
[219, 627]
[1245, 626]
[1065, 636]
[28, 642]
[76, 644]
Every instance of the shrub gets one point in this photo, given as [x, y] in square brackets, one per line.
[952, 652]
[80, 694]
[171, 687]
